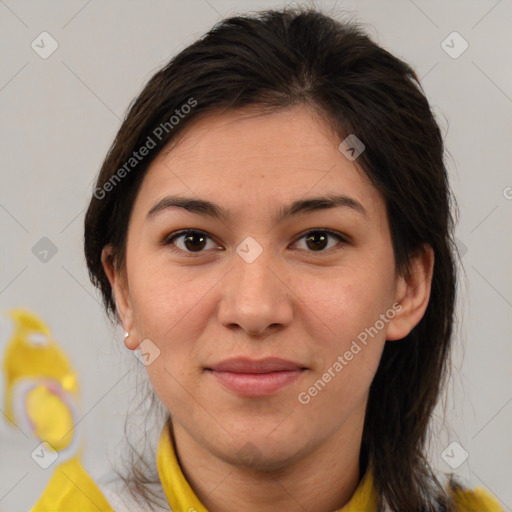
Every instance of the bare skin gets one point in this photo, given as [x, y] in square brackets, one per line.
[298, 300]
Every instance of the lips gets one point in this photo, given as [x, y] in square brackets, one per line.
[242, 365]
[256, 378]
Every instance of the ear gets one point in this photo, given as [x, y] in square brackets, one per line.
[119, 285]
[413, 294]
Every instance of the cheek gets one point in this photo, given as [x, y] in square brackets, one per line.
[346, 302]
[172, 308]
[167, 302]
[348, 351]
[347, 319]
[171, 311]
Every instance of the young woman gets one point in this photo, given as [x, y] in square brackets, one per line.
[272, 227]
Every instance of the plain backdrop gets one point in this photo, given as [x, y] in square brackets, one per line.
[60, 114]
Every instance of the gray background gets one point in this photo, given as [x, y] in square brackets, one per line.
[60, 114]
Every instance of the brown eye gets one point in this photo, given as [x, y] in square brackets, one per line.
[318, 240]
[189, 241]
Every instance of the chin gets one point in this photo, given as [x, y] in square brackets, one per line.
[261, 455]
[259, 462]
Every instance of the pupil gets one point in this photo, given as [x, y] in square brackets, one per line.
[191, 236]
[316, 237]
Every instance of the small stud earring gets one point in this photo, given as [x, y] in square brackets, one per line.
[126, 334]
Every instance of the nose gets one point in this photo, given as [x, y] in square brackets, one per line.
[255, 297]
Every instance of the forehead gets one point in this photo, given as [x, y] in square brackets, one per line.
[246, 157]
[255, 139]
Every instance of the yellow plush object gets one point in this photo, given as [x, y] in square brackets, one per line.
[71, 489]
[41, 386]
[33, 353]
[50, 416]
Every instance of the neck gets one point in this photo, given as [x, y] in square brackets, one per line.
[323, 480]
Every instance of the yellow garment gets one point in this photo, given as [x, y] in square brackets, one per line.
[71, 489]
[477, 500]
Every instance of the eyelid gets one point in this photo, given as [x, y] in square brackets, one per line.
[167, 241]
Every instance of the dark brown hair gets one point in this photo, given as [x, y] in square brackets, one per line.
[274, 60]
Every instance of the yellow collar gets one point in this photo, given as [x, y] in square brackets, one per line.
[181, 496]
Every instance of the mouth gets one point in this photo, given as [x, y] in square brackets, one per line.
[256, 378]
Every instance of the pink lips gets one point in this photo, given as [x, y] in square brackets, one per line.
[256, 378]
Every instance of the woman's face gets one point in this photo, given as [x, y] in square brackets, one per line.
[259, 281]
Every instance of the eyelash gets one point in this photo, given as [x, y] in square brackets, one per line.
[168, 241]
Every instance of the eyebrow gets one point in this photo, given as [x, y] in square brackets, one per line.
[209, 209]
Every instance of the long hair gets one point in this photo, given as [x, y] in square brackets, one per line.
[277, 59]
